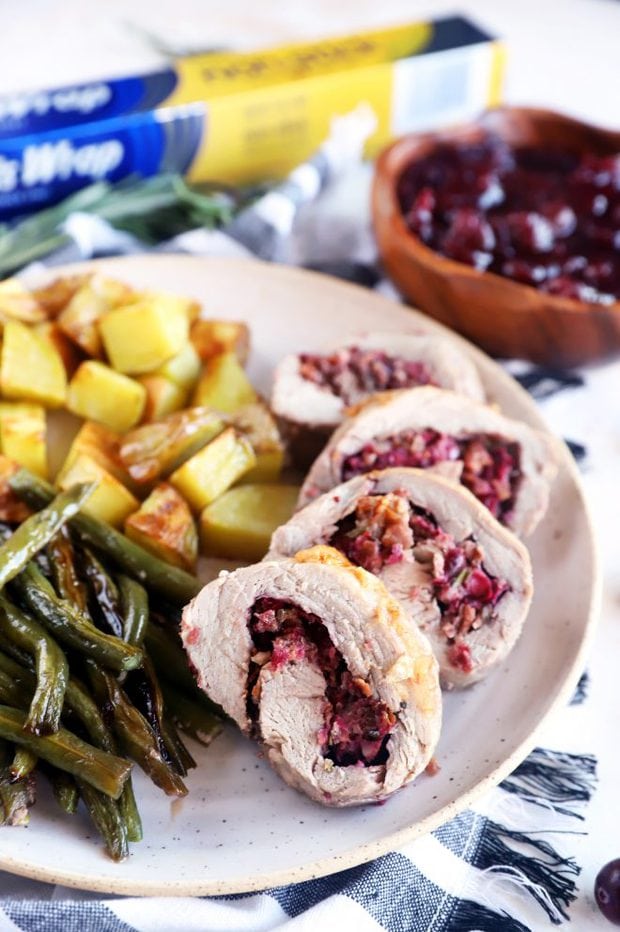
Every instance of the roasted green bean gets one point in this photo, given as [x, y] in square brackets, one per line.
[52, 669]
[18, 684]
[72, 627]
[64, 750]
[106, 815]
[135, 736]
[36, 531]
[85, 709]
[128, 809]
[192, 717]
[66, 580]
[64, 789]
[24, 762]
[171, 582]
[177, 751]
[135, 609]
[143, 690]
[16, 689]
[16, 796]
[105, 599]
[96, 571]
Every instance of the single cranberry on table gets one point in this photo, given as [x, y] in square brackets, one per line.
[607, 891]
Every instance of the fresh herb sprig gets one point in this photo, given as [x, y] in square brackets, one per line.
[152, 209]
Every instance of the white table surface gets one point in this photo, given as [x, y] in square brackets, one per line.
[563, 54]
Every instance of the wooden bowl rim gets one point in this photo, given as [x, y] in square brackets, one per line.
[385, 176]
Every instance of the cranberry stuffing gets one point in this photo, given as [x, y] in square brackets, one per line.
[383, 528]
[607, 891]
[543, 216]
[354, 373]
[491, 466]
[357, 726]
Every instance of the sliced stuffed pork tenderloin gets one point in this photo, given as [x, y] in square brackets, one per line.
[508, 465]
[314, 658]
[463, 579]
[312, 391]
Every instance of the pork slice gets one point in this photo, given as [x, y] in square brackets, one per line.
[308, 412]
[449, 413]
[448, 365]
[371, 632]
[410, 580]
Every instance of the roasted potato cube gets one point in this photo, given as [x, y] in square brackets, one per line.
[143, 336]
[268, 467]
[212, 337]
[23, 435]
[116, 293]
[240, 523]
[190, 308]
[31, 367]
[224, 385]
[100, 394]
[55, 296]
[157, 449]
[12, 509]
[164, 525]
[258, 424]
[67, 349]
[182, 369]
[103, 445]
[111, 501]
[162, 397]
[78, 320]
[214, 468]
[18, 303]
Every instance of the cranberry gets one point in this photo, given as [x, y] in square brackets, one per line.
[479, 586]
[530, 231]
[468, 233]
[562, 218]
[420, 217]
[459, 655]
[607, 891]
[529, 272]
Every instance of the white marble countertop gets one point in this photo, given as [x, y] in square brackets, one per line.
[562, 54]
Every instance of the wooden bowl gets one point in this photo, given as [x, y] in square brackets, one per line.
[504, 317]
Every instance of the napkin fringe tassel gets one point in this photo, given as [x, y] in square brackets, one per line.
[552, 779]
[532, 864]
[469, 915]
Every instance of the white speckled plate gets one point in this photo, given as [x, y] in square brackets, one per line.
[241, 828]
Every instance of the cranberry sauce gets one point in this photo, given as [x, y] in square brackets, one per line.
[357, 726]
[354, 373]
[544, 216]
[384, 527]
[491, 465]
